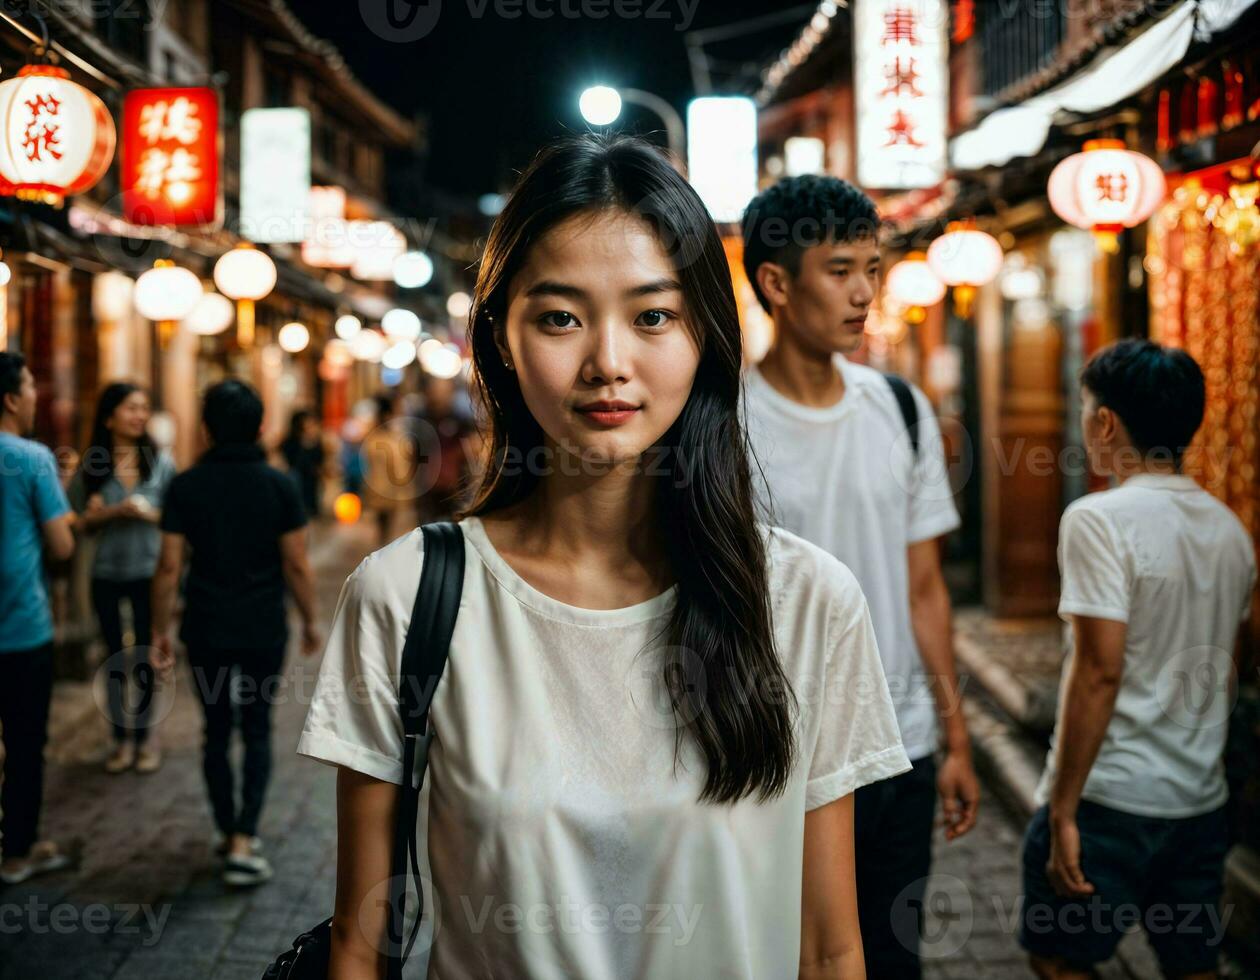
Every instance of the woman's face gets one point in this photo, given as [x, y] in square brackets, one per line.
[130, 417]
[596, 333]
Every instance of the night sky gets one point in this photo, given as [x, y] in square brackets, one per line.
[494, 87]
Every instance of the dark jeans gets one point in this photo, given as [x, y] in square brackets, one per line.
[25, 690]
[892, 824]
[256, 671]
[128, 716]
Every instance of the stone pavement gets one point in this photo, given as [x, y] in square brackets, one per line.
[145, 901]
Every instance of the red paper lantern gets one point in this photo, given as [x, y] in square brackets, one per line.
[56, 137]
[1106, 188]
[170, 157]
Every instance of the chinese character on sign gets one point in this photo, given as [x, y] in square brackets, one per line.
[902, 78]
[36, 140]
[1112, 187]
[900, 25]
[174, 121]
[170, 157]
[901, 130]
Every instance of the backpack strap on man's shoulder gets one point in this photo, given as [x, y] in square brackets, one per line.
[909, 407]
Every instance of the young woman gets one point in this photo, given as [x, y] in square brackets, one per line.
[655, 710]
[118, 490]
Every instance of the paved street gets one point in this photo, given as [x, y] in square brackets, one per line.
[146, 901]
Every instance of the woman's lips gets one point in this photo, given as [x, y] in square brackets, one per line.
[609, 417]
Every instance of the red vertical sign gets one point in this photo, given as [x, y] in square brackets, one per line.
[170, 157]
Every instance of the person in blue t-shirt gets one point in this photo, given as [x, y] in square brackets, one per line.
[34, 514]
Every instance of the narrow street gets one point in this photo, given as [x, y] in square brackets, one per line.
[146, 902]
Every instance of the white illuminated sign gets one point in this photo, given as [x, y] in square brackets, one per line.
[901, 79]
[275, 174]
[722, 154]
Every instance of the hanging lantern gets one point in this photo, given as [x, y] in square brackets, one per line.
[965, 258]
[368, 345]
[1105, 189]
[914, 287]
[347, 326]
[166, 294]
[212, 315]
[58, 137]
[246, 275]
[293, 337]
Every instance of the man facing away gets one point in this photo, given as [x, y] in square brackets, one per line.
[34, 515]
[841, 471]
[244, 523]
[1157, 574]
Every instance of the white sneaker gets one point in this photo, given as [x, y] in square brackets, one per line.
[44, 857]
[246, 869]
[221, 844]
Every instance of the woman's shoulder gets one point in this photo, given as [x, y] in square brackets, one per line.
[801, 576]
[388, 578]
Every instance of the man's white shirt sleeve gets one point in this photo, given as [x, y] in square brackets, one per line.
[1095, 577]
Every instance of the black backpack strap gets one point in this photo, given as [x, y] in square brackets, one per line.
[423, 660]
[909, 407]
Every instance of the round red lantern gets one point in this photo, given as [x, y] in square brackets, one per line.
[56, 137]
[1106, 188]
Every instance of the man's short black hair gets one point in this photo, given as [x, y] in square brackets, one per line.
[1158, 393]
[232, 412]
[11, 365]
[798, 213]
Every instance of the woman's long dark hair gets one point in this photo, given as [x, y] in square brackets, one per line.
[704, 501]
[97, 466]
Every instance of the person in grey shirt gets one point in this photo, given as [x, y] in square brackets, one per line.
[118, 490]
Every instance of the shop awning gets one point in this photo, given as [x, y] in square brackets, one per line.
[1021, 131]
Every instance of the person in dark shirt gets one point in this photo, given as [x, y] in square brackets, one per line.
[244, 524]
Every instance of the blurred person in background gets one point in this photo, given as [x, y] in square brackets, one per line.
[303, 451]
[245, 527]
[118, 490]
[447, 444]
[389, 471]
[1157, 578]
[844, 466]
[34, 516]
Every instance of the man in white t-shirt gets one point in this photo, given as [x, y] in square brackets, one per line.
[1157, 575]
[853, 462]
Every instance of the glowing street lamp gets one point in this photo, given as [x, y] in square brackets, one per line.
[246, 275]
[600, 105]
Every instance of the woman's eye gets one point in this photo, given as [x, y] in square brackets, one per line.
[557, 318]
[655, 318]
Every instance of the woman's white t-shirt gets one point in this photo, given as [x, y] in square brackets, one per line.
[563, 840]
